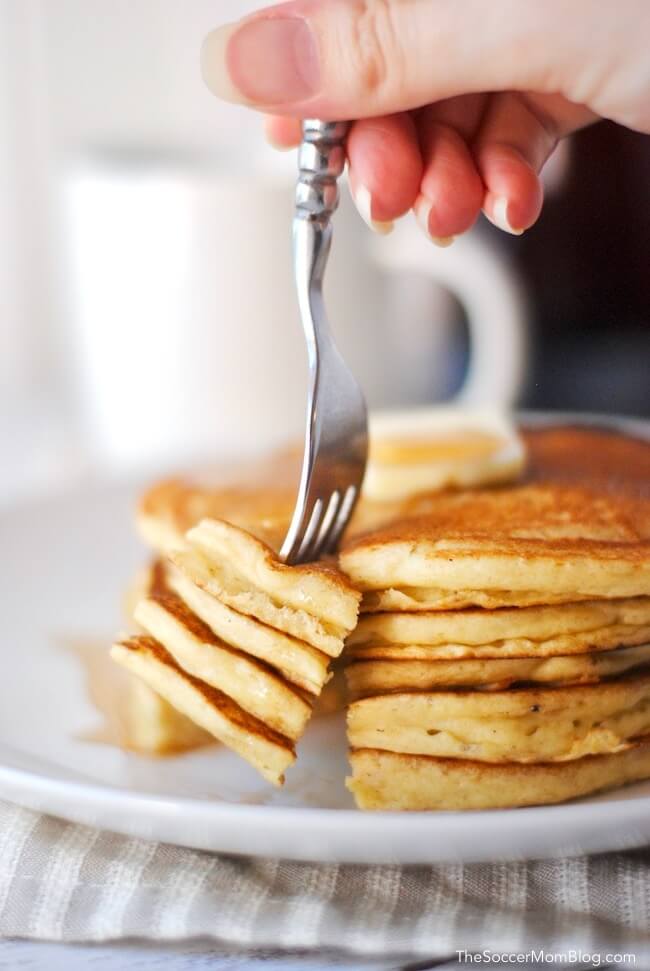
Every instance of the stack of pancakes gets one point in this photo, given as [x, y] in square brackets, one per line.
[147, 724]
[239, 642]
[409, 451]
[503, 656]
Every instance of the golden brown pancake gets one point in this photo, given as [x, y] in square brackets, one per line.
[299, 663]
[386, 780]
[596, 625]
[254, 686]
[313, 602]
[259, 495]
[202, 613]
[550, 539]
[377, 677]
[417, 599]
[171, 507]
[149, 724]
[268, 751]
[563, 537]
[519, 725]
[598, 457]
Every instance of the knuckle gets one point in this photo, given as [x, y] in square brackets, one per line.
[376, 47]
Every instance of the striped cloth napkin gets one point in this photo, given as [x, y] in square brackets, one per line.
[64, 882]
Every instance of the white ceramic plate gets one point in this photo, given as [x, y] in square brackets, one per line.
[64, 563]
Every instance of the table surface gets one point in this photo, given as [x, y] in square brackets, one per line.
[35, 956]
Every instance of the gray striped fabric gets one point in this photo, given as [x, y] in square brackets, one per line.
[64, 882]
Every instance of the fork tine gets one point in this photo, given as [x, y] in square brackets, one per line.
[311, 530]
[329, 518]
[345, 511]
[301, 520]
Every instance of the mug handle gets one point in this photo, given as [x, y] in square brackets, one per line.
[492, 297]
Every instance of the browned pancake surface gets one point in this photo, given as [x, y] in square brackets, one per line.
[598, 457]
[552, 520]
[215, 698]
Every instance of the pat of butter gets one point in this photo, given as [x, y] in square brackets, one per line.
[434, 448]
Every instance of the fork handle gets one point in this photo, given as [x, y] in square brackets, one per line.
[321, 161]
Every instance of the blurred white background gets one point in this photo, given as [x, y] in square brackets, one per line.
[80, 73]
[77, 75]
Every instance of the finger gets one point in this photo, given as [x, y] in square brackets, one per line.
[510, 149]
[282, 133]
[385, 168]
[463, 114]
[334, 59]
[451, 192]
[518, 134]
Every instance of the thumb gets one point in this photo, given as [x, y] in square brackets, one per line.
[343, 59]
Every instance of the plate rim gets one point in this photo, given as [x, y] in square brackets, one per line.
[84, 802]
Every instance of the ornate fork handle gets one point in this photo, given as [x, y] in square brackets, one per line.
[321, 161]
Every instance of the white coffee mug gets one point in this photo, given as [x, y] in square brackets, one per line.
[489, 292]
[184, 323]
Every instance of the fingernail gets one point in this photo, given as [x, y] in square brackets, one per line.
[363, 201]
[499, 217]
[213, 63]
[267, 61]
[442, 241]
[422, 211]
[278, 145]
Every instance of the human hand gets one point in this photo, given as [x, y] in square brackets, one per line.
[458, 103]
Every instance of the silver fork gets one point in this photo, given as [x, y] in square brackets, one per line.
[336, 438]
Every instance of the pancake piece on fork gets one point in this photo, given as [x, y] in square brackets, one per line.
[269, 751]
[227, 619]
[314, 602]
